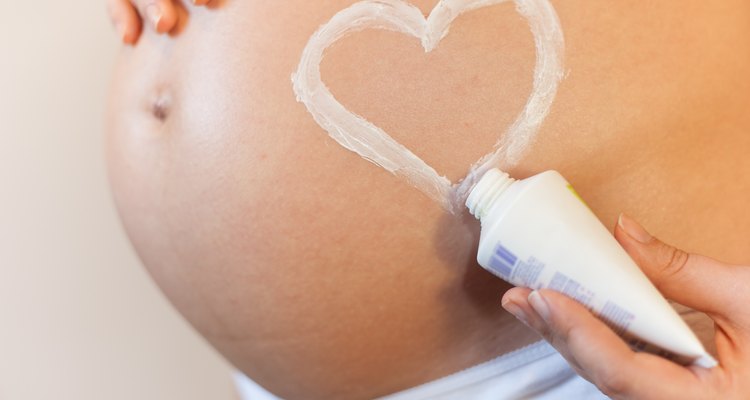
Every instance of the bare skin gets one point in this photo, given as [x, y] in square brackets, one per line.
[320, 275]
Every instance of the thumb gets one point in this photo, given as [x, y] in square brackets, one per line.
[598, 354]
[698, 282]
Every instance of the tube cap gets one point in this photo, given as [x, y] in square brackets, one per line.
[493, 183]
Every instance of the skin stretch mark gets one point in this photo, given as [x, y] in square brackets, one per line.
[375, 145]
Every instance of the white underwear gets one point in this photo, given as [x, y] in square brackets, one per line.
[536, 371]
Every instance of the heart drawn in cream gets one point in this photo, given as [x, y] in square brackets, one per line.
[372, 143]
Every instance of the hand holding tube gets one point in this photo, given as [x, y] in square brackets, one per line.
[720, 290]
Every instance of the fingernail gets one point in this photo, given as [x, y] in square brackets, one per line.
[514, 309]
[120, 28]
[633, 229]
[153, 12]
[539, 304]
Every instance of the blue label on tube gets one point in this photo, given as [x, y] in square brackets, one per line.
[503, 261]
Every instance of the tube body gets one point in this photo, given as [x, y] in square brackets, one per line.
[538, 233]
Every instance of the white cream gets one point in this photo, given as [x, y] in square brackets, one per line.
[372, 143]
[537, 233]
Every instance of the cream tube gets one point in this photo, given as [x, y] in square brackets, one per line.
[538, 233]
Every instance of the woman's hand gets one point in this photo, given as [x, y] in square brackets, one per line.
[129, 16]
[720, 290]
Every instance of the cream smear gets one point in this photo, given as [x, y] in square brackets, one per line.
[372, 143]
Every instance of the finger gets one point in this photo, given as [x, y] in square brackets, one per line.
[604, 359]
[696, 281]
[125, 19]
[161, 15]
[514, 301]
[201, 2]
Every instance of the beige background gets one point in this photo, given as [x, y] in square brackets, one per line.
[79, 317]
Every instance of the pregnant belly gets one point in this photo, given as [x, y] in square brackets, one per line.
[321, 275]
